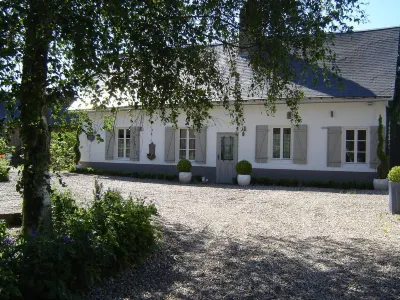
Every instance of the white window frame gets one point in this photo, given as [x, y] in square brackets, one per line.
[367, 142]
[126, 141]
[281, 143]
[187, 143]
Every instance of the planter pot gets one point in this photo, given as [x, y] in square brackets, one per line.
[394, 197]
[243, 179]
[185, 177]
[381, 184]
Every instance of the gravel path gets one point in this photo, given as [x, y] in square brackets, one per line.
[226, 242]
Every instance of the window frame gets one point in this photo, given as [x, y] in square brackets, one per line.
[367, 142]
[126, 142]
[281, 143]
[188, 138]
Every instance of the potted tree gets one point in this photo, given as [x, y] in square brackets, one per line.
[394, 190]
[243, 168]
[184, 166]
[381, 183]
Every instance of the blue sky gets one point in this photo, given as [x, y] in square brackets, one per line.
[381, 13]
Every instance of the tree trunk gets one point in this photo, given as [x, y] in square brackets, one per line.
[35, 134]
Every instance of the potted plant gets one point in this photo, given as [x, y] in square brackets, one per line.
[381, 183]
[394, 190]
[244, 168]
[184, 167]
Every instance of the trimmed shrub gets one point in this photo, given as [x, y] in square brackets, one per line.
[244, 167]
[86, 245]
[4, 169]
[184, 165]
[383, 167]
[394, 174]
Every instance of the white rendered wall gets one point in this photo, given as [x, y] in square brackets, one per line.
[316, 116]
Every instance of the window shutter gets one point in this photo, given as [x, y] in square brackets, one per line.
[334, 146]
[169, 154]
[300, 145]
[261, 143]
[109, 145]
[135, 143]
[373, 145]
[201, 146]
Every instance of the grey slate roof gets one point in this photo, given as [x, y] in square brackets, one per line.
[367, 61]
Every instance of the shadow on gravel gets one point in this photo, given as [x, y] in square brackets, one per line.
[237, 187]
[197, 265]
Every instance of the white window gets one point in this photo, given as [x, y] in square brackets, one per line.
[356, 146]
[123, 142]
[281, 143]
[187, 141]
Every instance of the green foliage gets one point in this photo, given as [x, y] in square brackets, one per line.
[383, 167]
[63, 150]
[4, 148]
[244, 167]
[86, 245]
[394, 174]
[184, 165]
[4, 169]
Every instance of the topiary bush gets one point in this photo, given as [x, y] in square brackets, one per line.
[86, 245]
[184, 165]
[244, 167]
[394, 174]
[4, 169]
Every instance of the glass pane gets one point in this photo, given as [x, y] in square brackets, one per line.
[120, 152]
[128, 152]
[227, 148]
[128, 133]
[182, 144]
[350, 135]
[192, 144]
[276, 143]
[350, 146]
[182, 154]
[120, 148]
[349, 156]
[362, 146]
[128, 144]
[361, 157]
[191, 133]
[362, 135]
[120, 133]
[286, 142]
[191, 154]
[183, 133]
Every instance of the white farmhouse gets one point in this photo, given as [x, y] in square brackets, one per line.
[336, 139]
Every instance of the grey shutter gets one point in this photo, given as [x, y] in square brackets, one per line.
[201, 146]
[300, 145]
[334, 147]
[261, 143]
[135, 143]
[373, 145]
[109, 145]
[169, 149]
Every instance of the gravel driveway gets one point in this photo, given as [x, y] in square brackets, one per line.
[226, 242]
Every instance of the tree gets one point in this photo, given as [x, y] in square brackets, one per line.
[151, 54]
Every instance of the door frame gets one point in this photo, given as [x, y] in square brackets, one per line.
[235, 157]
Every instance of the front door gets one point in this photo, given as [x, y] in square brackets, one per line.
[227, 153]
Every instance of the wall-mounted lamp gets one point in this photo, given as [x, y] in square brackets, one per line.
[244, 128]
[331, 113]
[369, 103]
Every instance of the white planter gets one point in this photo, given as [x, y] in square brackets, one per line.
[394, 197]
[243, 179]
[185, 177]
[381, 184]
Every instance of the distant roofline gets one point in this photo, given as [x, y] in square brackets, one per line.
[366, 30]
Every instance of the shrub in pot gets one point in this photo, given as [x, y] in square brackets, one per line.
[244, 168]
[381, 183]
[394, 190]
[184, 167]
